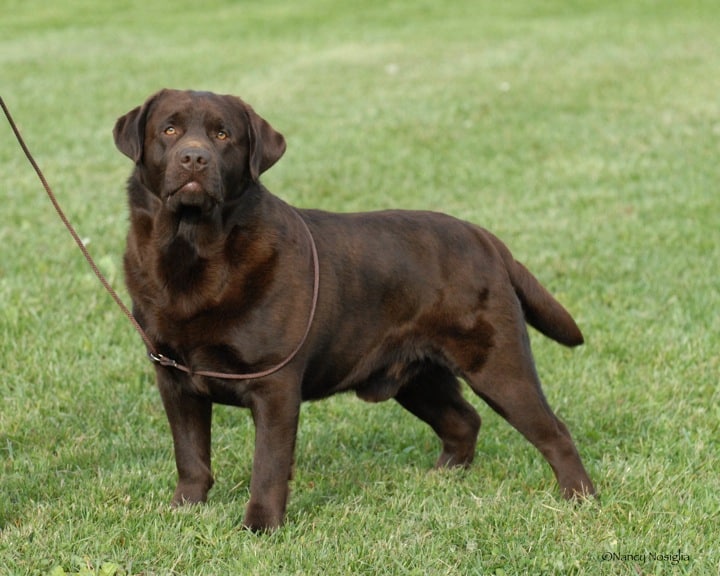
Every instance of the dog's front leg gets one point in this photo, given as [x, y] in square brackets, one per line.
[190, 420]
[275, 408]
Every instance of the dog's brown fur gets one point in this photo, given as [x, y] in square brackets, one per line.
[220, 275]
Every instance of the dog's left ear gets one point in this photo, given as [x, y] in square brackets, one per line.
[129, 131]
[267, 145]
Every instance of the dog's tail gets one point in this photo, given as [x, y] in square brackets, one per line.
[542, 310]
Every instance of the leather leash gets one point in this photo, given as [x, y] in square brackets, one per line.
[153, 354]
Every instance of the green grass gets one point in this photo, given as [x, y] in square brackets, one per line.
[585, 134]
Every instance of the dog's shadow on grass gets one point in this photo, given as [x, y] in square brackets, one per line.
[371, 451]
[350, 452]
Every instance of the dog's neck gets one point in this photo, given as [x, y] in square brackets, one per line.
[192, 256]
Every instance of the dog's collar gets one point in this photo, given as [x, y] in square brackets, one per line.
[162, 360]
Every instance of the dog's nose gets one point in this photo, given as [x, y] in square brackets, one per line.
[194, 159]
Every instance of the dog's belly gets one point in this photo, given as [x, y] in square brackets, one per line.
[375, 365]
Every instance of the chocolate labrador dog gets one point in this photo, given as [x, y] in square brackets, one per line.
[254, 303]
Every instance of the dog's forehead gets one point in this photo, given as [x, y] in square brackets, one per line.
[200, 106]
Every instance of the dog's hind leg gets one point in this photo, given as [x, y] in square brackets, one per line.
[508, 382]
[434, 396]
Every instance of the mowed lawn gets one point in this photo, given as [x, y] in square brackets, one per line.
[585, 134]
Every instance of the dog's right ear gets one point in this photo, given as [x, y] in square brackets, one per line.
[129, 131]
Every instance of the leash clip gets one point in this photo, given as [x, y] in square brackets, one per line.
[162, 360]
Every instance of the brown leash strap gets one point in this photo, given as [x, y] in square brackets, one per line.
[74, 234]
[152, 352]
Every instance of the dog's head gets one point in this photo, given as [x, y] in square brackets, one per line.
[194, 150]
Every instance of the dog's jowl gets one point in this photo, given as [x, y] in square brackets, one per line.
[220, 272]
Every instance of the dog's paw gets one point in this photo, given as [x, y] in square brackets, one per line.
[259, 518]
[187, 494]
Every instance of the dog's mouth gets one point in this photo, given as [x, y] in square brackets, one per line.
[190, 201]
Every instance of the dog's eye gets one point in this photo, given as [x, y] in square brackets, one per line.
[170, 131]
[221, 135]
